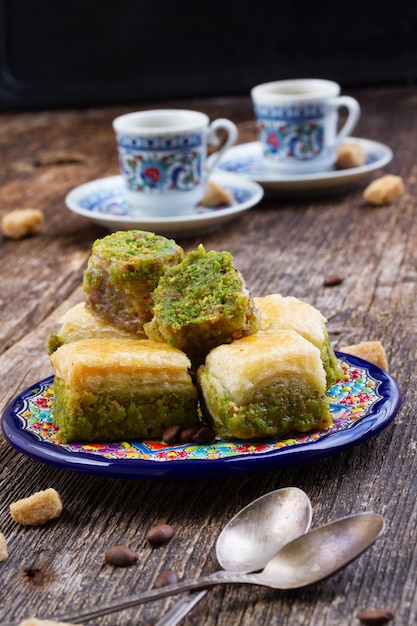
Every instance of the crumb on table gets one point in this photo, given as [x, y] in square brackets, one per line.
[58, 157]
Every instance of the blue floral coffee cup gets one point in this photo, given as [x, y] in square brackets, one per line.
[298, 123]
[163, 157]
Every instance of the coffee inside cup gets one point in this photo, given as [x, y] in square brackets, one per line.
[293, 88]
[160, 121]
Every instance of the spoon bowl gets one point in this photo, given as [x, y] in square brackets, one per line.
[259, 530]
[252, 537]
[321, 552]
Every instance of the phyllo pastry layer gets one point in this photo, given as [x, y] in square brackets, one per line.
[289, 313]
[265, 386]
[201, 303]
[79, 323]
[118, 389]
[122, 271]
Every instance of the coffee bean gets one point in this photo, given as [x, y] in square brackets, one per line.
[332, 280]
[204, 435]
[120, 556]
[170, 435]
[186, 435]
[162, 533]
[165, 578]
[375, 617]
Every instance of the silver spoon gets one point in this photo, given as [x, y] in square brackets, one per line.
[252, 537]
[302, 562]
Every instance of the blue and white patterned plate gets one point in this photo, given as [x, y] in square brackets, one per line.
[362, 403]
[103, 201]
[247, 160]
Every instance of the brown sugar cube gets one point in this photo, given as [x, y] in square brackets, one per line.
[37, 509]
[215, 195]
[384, 190]
[350, 155]
[33, 621]
[3, 548]
[372, 351]
[22, 222]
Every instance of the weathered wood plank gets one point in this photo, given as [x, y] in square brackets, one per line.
[283, 245]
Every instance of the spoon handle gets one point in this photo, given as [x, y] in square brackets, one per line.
[155, 594]
[181, 609]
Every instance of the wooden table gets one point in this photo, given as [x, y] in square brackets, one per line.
[284, 245]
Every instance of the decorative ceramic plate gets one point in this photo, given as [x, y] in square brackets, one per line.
[364, 402]
[103, 201]
[247, 160]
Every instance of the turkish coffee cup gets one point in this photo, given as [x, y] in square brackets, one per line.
[298, 123]
[163, 157]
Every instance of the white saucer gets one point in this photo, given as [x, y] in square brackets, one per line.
[103, 201]
[247, 161]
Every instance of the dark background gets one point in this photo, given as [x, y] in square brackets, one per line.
[57, 53]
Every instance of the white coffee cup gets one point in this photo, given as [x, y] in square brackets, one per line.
[297, 121]
[163, 157]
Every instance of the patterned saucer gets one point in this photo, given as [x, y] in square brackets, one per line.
[247, 160]
[103, 201]
[362, 403]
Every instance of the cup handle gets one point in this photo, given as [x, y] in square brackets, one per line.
[354, 110]
[212, 139]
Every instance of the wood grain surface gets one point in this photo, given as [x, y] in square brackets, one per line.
[283, 245]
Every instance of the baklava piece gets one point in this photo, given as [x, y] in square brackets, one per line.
[121, 389]
[201, 303]
[79, 323]
[289, 313]
[122, 272]
[265, 386]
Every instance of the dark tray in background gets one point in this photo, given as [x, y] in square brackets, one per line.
[81, 52]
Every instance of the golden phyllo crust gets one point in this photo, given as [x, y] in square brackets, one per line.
[265, 386]
[80, 323]
[289, 313]
[117, 389]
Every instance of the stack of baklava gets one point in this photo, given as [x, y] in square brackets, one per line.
[162, 334]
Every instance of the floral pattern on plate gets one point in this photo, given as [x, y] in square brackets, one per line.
[351, 399]
[104, 202]
[112, 201]
[247, 160]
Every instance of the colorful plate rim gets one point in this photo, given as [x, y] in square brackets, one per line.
[382, 409]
